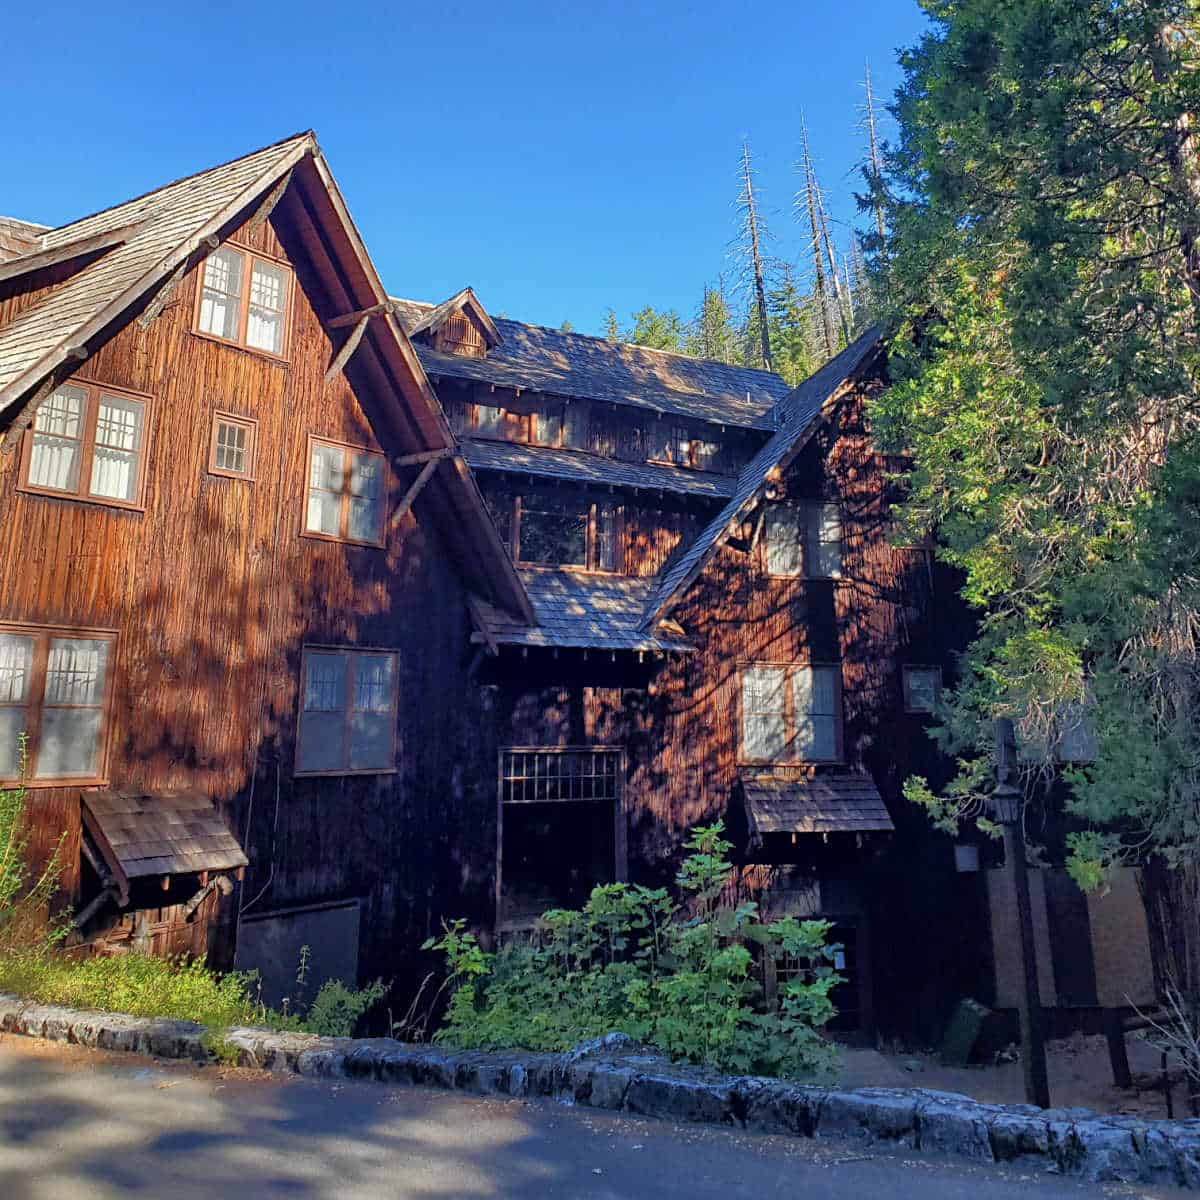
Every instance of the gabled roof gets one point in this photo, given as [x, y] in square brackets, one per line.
[174, 227]
[579, 466]
[799, 414]
[18, 237]
[580, 610]
[576, 366]
[464, 301]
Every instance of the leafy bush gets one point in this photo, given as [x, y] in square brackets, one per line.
[636, 961]
[336, 1010]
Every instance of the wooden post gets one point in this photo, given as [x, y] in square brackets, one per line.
[348, 348]
[1118, 1054]
[1006, 806]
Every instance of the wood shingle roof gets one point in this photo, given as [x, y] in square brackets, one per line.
[577, 366]
[845, 803]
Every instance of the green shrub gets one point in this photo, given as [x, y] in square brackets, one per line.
[336, 1010]
[636, 961]
[25, 916]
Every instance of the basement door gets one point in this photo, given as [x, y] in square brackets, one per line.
[560, 829]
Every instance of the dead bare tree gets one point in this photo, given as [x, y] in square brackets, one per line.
[874, 161]
[752, 238]
[808, 207]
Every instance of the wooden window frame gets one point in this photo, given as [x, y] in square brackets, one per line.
[590, 543]
[905, 671]
[349, 652]
[87, 448]
[250, 424]
[802, 507]
[791, 669]
[239, 342]
[344, 512]
[43, 635]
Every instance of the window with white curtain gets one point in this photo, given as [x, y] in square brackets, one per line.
[791, 714]
[346, 492]
[347, 712]
[87, 441]
[804, 540]
[244, 299]
[53, 693]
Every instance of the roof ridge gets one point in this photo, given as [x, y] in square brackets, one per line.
[22, 221]
[596, 337]
[293, 137]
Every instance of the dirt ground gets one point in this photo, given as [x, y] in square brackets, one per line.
[1079, 1070]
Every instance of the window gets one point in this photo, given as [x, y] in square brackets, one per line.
[244, 299]
[554, 531]
[87, 441]
[804, 539]
[489, 421]
[54, 686]
[345, 493]
[677, 444]
[704, 454]
[922, 689]
[575, 425]
[791, 714]
[546, 427]
[233, 449]
[562, 531]
[347, 712]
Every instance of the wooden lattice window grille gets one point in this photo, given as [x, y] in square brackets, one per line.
[535, 775]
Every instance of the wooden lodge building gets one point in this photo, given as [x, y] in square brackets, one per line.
[326, 615]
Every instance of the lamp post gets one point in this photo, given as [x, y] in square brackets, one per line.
[1005, 809]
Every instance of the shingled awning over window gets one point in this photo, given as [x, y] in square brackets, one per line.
[821, 804]
[171, 833]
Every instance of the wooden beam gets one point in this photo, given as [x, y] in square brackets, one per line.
[352, 318]
[413, 492]
[348, 348]
[21, 421]
[415, 460]
[41, 259]
[267, 207]
[476, 611]
[162, 296]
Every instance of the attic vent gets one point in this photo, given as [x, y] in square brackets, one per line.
[460, 335]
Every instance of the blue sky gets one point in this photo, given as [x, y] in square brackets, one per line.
[561, 158]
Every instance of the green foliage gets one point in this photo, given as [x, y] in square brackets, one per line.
[337, 1008]
[1043, 284]
[634, 960]
[664, 330]
[26, 918]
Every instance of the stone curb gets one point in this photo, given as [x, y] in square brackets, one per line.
[615, 1073]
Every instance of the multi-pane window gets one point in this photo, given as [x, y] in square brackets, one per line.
[922, 689]
[791, 714]
[345, 492]
[804, 539]
[546, 427]
[53, 690]
[550, 529]
[244, 299]
[87, 441]
[670, 442]
[347, 712]
[232, 451]
[489, 421]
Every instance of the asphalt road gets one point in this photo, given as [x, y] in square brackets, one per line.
[89, 1126]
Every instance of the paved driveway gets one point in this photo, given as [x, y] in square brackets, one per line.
[89, 1126]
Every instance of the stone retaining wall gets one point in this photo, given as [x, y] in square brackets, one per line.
[614, 1073]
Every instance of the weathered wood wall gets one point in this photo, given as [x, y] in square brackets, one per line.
[214, 591]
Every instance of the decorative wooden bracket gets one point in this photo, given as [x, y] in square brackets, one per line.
[267, 207]
[162, 296]
[348, 348]
[21, 422]
[415, 460]
[413, 492]
[481, 625]
[351, 318]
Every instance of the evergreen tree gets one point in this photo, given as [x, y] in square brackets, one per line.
[567, 327]
[1044, 289]
[713, 334]
[792, 332]
[612, 330]
[663, 330]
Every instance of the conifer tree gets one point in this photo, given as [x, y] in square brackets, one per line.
[612, 330]
[807, 211]
[874, 164]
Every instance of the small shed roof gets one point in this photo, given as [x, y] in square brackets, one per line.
[578, 609]
[581, 467]
[168, 833]
[847, 803]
